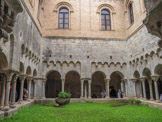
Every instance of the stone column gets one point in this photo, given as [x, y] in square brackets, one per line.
[134, 88]
[151, 91]
[107, 81]
[63, 85]
[13, 92]
[85, 90]
[43, 89]
[82, 83]
[2, 92]
[89, 89]
[35, 88]
[9, 79]
[126, 88]
[29, 88]
[140, 89]
[144, 89]
[22, 79]
[155, 79]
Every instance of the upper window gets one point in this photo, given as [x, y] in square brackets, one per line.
[131, 13]
[64, 18]
[105, 20]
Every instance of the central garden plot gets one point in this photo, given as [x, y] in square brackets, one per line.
[87, 112]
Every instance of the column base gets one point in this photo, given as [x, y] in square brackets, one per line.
[89, 97]
[151, 99]
[20, 101]
[158, 101]
[1, 107]
[43, 98]
[29, 99]
[107, 97]
[12, 106]
[6, 108]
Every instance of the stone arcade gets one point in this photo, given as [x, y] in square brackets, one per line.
[83, 47]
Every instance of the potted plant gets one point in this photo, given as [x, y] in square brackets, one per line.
[63, 98]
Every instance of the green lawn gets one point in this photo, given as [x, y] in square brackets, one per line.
[87, 112]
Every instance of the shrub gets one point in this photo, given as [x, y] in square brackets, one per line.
[64, 95]
[138, 101]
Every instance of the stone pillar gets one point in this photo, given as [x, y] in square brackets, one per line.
[107, 81]
[126, 88]
[155, 79]
[144, 89]
[85, 90]
[89, 89]
[140, 89]
[13, 92]
[63, 85]
[35, 88]
[2, 92]
[82, 83]
[134, 88]
[151, 91]
[9, 78]
[22, 79]
[29, 88]
[43, 89]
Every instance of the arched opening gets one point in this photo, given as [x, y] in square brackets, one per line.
[21, 67]
[35, 73]
[73, 84]
[25, 88]
[64, 18]
[3, 60]
[98, 84]
[115, 83]
[105, 19]
[28, 71]
[53, 84]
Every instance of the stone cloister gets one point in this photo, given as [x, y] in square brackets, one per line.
[82, 60]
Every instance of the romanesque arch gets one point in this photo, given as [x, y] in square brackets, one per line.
[98, 84]
[115, 83]
[73, 84]
[28, 70]
[53, 84]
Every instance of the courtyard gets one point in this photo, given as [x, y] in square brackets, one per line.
[87, 112]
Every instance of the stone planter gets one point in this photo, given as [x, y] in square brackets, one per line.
[62, 101]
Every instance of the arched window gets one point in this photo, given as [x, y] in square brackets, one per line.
[105, 20]
[131, 13]
[64, 18]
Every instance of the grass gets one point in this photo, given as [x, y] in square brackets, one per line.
[87, 112]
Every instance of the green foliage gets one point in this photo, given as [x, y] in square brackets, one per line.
[134, 101]
[87, 112]
[64, 95]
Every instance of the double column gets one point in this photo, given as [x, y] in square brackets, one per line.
[7, 95]
[143, 86]
[22, 79]
[107, 87]
[155, 79]
[43, 88]
[13, 92]
[82, 88]
[29, 80]
[2, 92]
